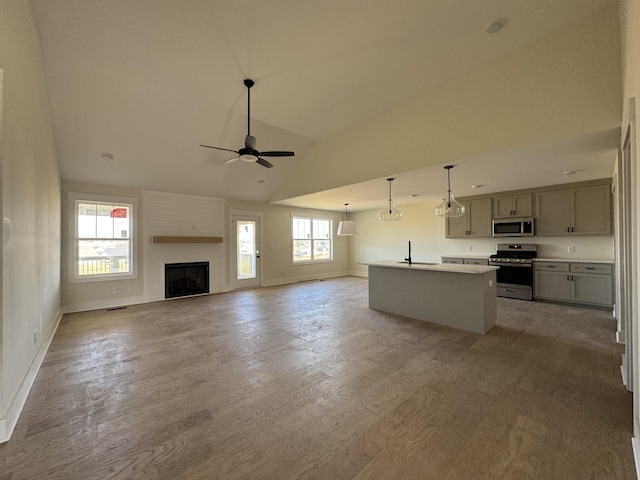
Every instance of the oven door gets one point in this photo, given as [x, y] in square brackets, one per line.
[508, 275]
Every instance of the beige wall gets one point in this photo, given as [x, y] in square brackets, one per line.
[389, 240]
[85, 296]
[630, 41]
[567, 83]
[276, 249]
[31, 213]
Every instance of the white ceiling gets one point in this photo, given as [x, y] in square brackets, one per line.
[150, 80]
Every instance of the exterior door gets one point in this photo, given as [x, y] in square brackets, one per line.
[245, 255]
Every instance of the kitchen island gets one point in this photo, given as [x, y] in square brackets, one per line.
[460, 296]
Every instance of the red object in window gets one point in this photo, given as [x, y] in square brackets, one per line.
[118, 213]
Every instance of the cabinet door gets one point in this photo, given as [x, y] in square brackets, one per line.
[554, 210]
[503, 207]
[457, 227]
[551, 285]
[479, 217]
[592, 210]
[592, 288]
[523, 205]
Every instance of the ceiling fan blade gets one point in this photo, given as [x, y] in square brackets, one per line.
[231, 160]
[277, 154]
[220, 148]
[264, 163]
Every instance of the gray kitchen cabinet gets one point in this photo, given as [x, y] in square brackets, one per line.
[579, 211]
[513, 206]
[476, 221]
[465, 261]
[574, 282]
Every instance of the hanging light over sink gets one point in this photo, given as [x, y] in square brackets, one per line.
[391, 212]
[449, 207]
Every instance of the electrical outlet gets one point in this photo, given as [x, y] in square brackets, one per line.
[571, 249]
[469, 248]
[114, 291]
[129, 289]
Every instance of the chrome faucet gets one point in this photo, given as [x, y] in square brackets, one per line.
[408, 258]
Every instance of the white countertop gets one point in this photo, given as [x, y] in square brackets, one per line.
[471, 257]
[573, 260]
[437, 267]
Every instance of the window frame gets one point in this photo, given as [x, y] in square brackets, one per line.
[311, 218]
[74, 200]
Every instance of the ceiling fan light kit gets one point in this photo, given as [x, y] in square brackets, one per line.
[346, 226]
[449, 207]
[249, 153]
[391, 213]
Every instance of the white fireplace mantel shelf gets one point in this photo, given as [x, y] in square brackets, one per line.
[184, 239]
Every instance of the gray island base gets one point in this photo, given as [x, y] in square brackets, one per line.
[459, 296]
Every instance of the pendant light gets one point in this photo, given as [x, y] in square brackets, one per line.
[449, 207]
[391, 212]
[346, 226]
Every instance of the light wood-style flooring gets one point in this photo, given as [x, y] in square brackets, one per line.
[306, 382]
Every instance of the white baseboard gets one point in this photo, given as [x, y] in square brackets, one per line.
[16, 404]
[303, 278]
[635, 445]
[102, 304]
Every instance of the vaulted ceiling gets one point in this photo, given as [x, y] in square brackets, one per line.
[136, 85]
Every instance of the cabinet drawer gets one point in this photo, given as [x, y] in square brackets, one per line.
[458, 261]
[592, 268]
[552, 266]
[475, 261]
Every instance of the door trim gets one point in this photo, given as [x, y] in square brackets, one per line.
[233, 247]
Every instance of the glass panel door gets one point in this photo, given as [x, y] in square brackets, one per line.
[246, 253]
[245, 250]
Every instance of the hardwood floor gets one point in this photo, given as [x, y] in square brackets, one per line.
[305, 381]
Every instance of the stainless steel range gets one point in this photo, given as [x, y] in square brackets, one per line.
[515, 275]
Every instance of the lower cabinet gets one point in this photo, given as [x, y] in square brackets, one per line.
[573, 282]
[465, 261]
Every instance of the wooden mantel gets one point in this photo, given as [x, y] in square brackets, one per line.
[184, 239]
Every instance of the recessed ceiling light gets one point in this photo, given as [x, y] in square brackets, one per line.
[107, 156]
[477, 186]
[495, 26]
[570, 172]
[414, 195]
[261, 181]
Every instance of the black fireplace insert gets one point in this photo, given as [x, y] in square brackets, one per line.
[185, 279]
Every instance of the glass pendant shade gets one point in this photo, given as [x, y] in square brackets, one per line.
[449, 207]
[391, 212]
[346, 226]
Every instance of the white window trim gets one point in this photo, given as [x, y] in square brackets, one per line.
[73, 243]
[312, 216]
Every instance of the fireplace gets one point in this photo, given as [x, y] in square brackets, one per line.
[185, 279]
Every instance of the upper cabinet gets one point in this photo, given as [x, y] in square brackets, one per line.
[577, 211]
[513, 206]
[476, 221]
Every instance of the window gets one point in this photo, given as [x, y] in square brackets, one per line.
[312, 239]
[103, 240]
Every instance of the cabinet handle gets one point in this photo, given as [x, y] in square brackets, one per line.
[589, 268]
[572, 229]
[551, 266]
[568, 229]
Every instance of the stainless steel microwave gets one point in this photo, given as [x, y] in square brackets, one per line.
[513, 227]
